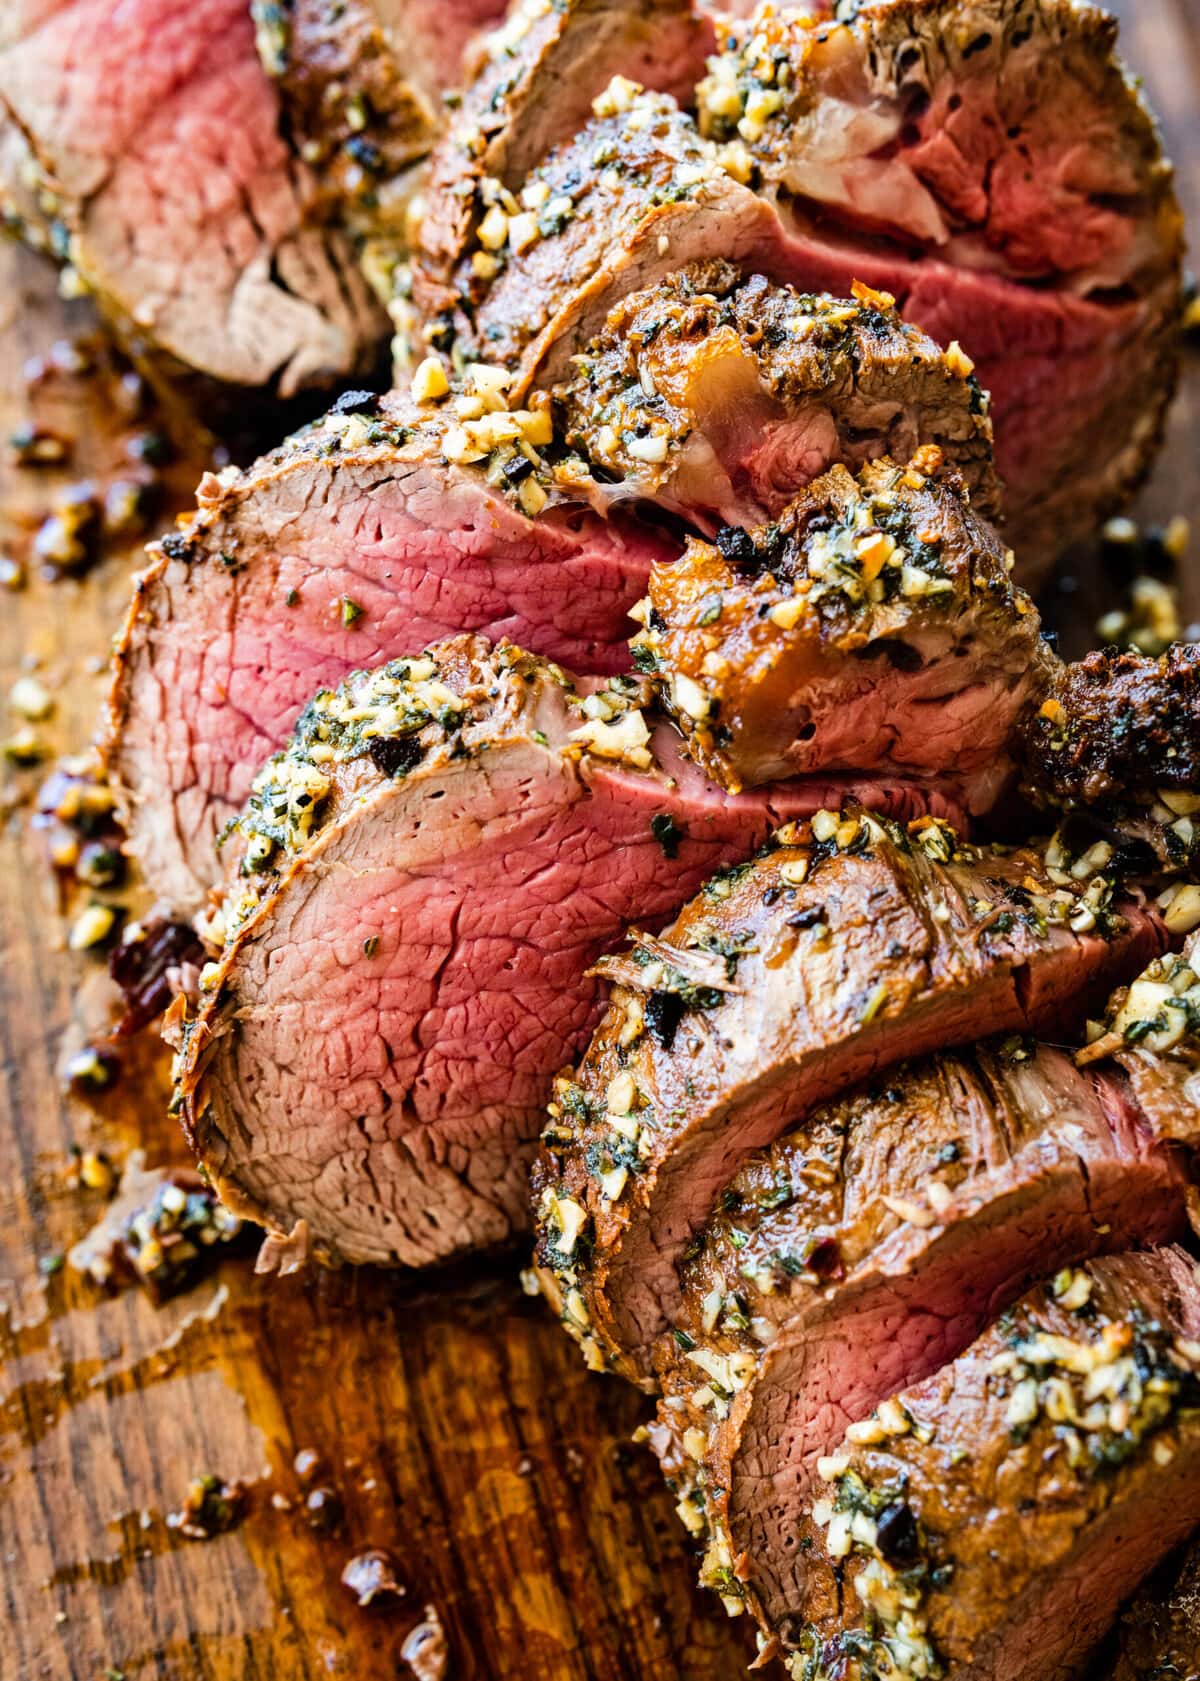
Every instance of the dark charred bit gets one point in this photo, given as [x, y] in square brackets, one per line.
[898, 1535]
[664, 1012]
[739, 549]
[356, 402]
[372, 1575]
[395, 755]
[147, 970]
[211, 1507]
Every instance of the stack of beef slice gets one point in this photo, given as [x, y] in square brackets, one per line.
[627, 750]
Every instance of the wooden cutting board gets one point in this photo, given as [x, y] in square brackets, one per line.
[451, 1421]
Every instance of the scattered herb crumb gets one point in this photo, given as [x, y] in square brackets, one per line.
[351, 612]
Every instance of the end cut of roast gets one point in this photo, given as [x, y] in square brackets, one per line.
[866, 1249]
[155, 131]
[418, 885]
[913, 149]
[989, 1521]
[874, 622]
[849, 944]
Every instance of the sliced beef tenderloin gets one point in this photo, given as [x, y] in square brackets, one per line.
[359, 114]
[990, 163]
[1158, 1637]
[1152, 1029]
[715, 394]
[874, 621]
[529, 88]
[846, 946]
[445, 846]
[860, 1253]
[988, 1522]
[355, 541]
[617, 207]
[1117, 741]
[156, 132]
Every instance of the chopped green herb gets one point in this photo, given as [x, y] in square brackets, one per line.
[291, 598]
[667, 833]
[351, 612]
[371, 945]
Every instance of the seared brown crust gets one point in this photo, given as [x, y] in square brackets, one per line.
[1128, 726]
[1119, 736]
[747, 381]
[806, 641]
[1021, 1490]
[816, 964]
[1004, 142]
[912, 1210]
[531, 87]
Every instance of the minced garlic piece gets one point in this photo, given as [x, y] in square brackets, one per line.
[626, 739]
[429, 382]
[617, 97]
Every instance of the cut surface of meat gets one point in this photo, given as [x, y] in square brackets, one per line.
[445, 846]
[156, 130]
[989, 163]
[355, 541]
[991, 1521]
[859, 1254]
[530, 88]
[847, 946]
[715, 394]
[873, 622]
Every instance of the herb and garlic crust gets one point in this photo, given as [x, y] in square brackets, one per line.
[416, 889]
[1152, 1029]
[910, 148]
[722, 396]
[988, 1521]
[530, 87]
[395, 522]
[861, 1252]
[848, 945]
[874, 622]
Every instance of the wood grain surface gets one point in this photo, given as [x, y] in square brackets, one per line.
[451, 1421]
